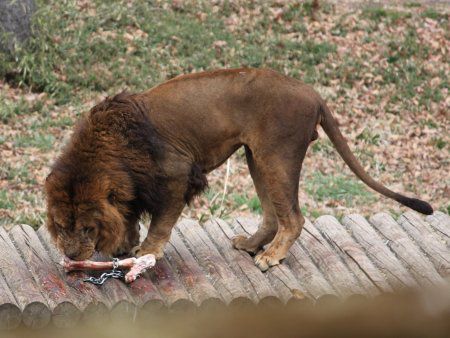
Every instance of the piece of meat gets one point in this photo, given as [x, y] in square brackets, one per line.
[137, 266]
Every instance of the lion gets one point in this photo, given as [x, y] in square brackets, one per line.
[150, 153]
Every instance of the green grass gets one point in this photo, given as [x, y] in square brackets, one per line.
[19, 173]
[433, 14]
[49, 122]
[413, 4]
[33, 219]
[368, 137]
[337, 187]
[406, 57]
[243, 201]
[440, 143]
[38, 140]
[323, 146]
[25, 204]
[149, 45]
[380, 14]
[72, 57]
[10, 109]
[407, 48]
[6, 202]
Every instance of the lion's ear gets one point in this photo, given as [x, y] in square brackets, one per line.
[98, 112]
[110, 110]
[50, 177]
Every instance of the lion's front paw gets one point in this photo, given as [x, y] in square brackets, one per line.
[265, 260]
[135, 250]
[139, 251]
[123, 251]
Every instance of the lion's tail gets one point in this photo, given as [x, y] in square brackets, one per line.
[330, 126]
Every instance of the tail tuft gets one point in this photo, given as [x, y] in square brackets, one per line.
[416, 204]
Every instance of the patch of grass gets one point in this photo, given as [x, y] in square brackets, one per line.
[368, 137]
[348, 71]
[149, 45]
[141, 38]
[405, 68]
[406, 48]
[296, 12]
[33, 219]
[255, 205]
[6, 202]
[314, 214]
[339, 29]
[10, 109]
[428, 122]
[323, 145]
[242, 201]
[25, 204]
[379, 14]
[440, 143]
[434, 14]
[315, 53]
[430, 95]
[413, 4]
[48, 122]
[25, 201]
[216, 207]
[309, 54]
[338, 187]
[38, 140]
[17, 173]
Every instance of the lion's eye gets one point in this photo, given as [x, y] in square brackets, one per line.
[87, 231]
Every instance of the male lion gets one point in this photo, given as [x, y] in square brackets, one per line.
[150, 152]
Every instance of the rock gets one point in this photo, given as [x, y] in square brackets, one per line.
[15, 22]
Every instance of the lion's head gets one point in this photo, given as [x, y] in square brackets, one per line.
[105, 178]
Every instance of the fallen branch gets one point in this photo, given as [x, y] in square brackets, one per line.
[137, 266]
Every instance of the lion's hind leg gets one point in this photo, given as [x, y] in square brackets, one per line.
[266, 232]
[279, 174]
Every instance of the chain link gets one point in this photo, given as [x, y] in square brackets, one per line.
[115, 263]
[114, 273]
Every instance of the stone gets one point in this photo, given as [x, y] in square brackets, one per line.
[15, 23]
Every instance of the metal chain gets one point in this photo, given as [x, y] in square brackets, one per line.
[115, 263]
[114, 273]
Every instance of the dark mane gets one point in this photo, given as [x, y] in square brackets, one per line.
[117, 136]
[126, 113]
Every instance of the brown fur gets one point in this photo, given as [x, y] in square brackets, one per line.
[150, 152]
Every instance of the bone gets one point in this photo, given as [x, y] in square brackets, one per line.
[137, 266]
